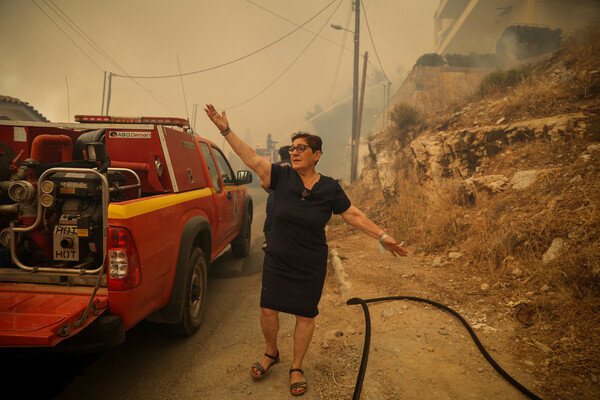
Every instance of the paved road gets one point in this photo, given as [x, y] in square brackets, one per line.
[151, 364]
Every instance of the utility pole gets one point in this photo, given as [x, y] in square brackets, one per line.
[103, 93]
[387, 114]
[355, 90]
[110, 75]
[359, 121]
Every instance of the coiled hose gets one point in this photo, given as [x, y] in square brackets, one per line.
[367, 344]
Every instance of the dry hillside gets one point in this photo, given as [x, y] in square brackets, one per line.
[509, 184]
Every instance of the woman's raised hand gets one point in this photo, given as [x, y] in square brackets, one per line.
[220, 120]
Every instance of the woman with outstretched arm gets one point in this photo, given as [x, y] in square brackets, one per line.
[296, 254]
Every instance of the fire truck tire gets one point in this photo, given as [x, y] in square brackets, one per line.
[240, 246]
[194, 293]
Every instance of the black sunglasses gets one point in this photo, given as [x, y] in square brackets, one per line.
[300, 148]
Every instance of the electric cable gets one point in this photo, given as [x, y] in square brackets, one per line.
[372, 42]
[367, 343]
[289, 66]
[295, 24]
[236, 59]
[81, 33]
[86, 38]
[68, 37]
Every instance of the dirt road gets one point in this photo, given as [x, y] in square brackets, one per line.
[417, 351]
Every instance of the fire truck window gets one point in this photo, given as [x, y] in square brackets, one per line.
[226, 171]
[212, 167]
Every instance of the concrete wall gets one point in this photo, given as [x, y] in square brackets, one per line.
[430, 89]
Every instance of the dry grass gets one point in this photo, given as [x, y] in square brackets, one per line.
[504, 236]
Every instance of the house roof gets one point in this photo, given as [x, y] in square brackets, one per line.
[11, 106]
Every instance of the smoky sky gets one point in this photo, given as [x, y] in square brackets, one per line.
[55, 54]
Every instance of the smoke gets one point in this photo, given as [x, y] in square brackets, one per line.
[148, 38]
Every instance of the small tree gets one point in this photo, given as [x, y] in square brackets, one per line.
[404, 117]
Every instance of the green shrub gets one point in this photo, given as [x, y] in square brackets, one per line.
[524, 41]
[501, 80]
[404, 117]
[430, 60]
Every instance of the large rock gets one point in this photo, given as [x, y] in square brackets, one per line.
[524, 179]
[459, 154]
[492, 184]
[386, 153]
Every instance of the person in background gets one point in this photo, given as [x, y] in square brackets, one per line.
[295, 262]
[284, 159]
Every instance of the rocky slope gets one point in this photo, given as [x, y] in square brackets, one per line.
[511, 183]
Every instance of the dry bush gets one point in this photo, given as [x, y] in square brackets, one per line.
[499, 81]
[429, 220]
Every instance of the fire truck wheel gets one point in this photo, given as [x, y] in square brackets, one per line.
[240, 246]
[194, 296]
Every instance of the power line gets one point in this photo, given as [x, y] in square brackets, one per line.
[81, 33]
[234, 60]
[373, 43]
[291, 64]
[68, 37]
[295, 24]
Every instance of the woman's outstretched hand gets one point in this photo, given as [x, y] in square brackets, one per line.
[394, 247]
[220, 120]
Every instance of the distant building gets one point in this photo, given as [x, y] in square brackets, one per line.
[16, 110]
[475, 26]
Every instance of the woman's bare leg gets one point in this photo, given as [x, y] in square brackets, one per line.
[302, 337]
[269, 322]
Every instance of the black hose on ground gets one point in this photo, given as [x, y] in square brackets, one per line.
[365, 356]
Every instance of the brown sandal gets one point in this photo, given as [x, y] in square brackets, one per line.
[262, 369]
[298, 385]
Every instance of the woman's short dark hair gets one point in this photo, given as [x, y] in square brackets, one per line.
[313, 141]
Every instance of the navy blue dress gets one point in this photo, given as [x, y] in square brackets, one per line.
[296, 255]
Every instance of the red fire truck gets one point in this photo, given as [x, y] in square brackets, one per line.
[109, 221]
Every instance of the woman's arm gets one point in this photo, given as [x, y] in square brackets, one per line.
[360, 221]
[248, 156]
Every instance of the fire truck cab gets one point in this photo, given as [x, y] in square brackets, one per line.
[109, 221]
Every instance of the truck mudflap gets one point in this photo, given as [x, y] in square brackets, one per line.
[41, 316]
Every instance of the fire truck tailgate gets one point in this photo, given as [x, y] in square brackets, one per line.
[42, 315]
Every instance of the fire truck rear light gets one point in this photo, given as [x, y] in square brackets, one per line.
[117, 264]
[124, 272]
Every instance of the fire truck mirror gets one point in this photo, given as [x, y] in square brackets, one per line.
[244, 177]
